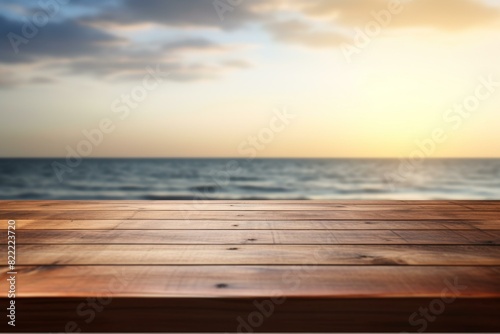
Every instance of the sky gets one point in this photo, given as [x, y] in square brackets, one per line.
[259, 78]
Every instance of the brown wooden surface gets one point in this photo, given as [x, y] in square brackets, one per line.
[259, 237]
[159, 224]
[270, 214]
[204, 266]
[360, 255]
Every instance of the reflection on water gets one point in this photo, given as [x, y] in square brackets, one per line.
[255, 179]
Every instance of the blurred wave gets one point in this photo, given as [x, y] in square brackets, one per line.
[183, 179]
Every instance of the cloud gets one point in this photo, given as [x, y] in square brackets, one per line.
[79, 42]
[299, 32]
[458, 15]
[180, 13]
[439, 14]
[135, 70]
[41, 80]
[78, 49]
[328, 23]
[181, 58]
[236, 63]
[54, 40]
[193, 44]
[8, 79]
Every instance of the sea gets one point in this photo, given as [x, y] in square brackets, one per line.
[249, 179]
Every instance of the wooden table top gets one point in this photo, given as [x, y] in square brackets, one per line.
[254, 266]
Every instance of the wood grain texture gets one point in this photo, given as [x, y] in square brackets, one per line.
[248, 206]
[209, 266]
[306, 280]
[395, 214]
[359, 255]
[257, 237]
[41, 224]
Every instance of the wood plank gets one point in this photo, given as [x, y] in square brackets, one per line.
[480, 236]
[32, 203]
[298, 237]
[319, 215]
[257, 281]
[243, 206]
[361, 255]
[430, 237]
[253, 225]
[247, 206]
[414, 214]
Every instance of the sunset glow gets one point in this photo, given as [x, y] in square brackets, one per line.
[226, 78]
